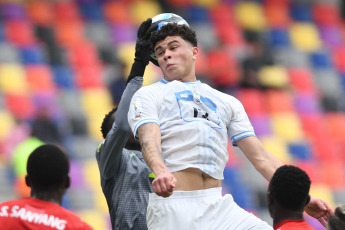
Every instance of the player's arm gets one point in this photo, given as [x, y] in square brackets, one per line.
[117, 138]
[150, 140]
[263, 161]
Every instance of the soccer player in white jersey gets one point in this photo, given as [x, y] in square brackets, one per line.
[183, 127]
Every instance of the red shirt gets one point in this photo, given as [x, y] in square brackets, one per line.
[31, 213]
[293, 225]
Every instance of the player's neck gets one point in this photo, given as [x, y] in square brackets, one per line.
[54, 197]
[287, 215]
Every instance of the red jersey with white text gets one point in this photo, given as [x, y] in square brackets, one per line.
[293, 225]
[31, 213]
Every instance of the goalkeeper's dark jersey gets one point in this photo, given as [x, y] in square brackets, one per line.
[125, 177]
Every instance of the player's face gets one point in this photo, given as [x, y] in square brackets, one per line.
[176, 58]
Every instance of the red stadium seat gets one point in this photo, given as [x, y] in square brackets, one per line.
[333, 173]
[19, 32]
[223, 68]
[311, 167]
[83, 54]
[117, 12]
[335, 125]
[20, 105]
[40, 78]
[89, 77]
[66, 11]
[277, 14]
[326, 13]
[253, 101]
[301, 80]
[69, 33]
[41, 12]
[339, 58]
[279, 102]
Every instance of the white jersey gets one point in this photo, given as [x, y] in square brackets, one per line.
[195, 121]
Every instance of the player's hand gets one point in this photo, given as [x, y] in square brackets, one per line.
[142, 47]
[164, 184]
[319, 209]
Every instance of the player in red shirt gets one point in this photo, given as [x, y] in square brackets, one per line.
[287, 196]
[47, 175]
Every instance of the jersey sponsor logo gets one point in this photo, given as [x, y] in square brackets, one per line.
[137, 108]
[33, 217]
[194, 106]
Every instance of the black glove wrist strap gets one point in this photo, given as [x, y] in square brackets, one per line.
[138, 69]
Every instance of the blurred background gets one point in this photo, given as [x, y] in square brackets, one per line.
[64, 64]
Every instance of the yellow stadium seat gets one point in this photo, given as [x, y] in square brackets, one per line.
[94, 100]
[7, 123]
[273, 76]
[206, 3]
[97, 220]
[250, 15]
[305, 37]
[91, 174]
[287, 126]
[100, 201]
[141, 10]
[278, 147]
[322, 191]
[12, 79]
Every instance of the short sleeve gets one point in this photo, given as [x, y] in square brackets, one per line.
[239, 126]
[143, 108]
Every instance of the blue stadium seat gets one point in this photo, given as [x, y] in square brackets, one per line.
[63, 76]
[279, 37]
[32, 55]
[300, 12]
[320, 60]
[300, 150]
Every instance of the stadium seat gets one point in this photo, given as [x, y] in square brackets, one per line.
[20, 105]
[328, 82]
[300, 12]
[278, 101]
[76, 174]
[261, 124]
[39, 78]
[19, 32]
[32, 55]
[229, 34]
[301, 80]
[206, 3]
[313, 125]
[290, 57]
[12, 10]
[69, 33]
[223, 68]
[307, 103]
[339, 58]
[305, 37]
[300, 151]
[321, 60]
[116, 12]
[335, 125]
[41, 12]
[279, 37]
[94, 218]
[287, 126]
[273, 77]
[278, 147]
[63, 76]
[16, 83]
[123, 33]
[196, 14]
[253, 101]
[98, 32]
[91, 11]
[277, 14]
[333, 173]
[256, 21]
[83, 55]
[331, 36]
[7, 124]
[9, 53]
[326, 13]
[141, 10]
[88, 77]
[322, 191]
[66, 11]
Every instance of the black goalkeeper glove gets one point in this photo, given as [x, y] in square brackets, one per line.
[142, 49]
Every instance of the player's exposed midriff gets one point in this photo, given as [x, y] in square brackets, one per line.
[191, 179]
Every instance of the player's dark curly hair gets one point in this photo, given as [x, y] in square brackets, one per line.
[290, 186]
[107, 122]
[337, 220]
[47, 167]
[173, 29]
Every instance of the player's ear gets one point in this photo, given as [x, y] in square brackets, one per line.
[27, 181]
[307, 200]
[67, 182]
[195, 52]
